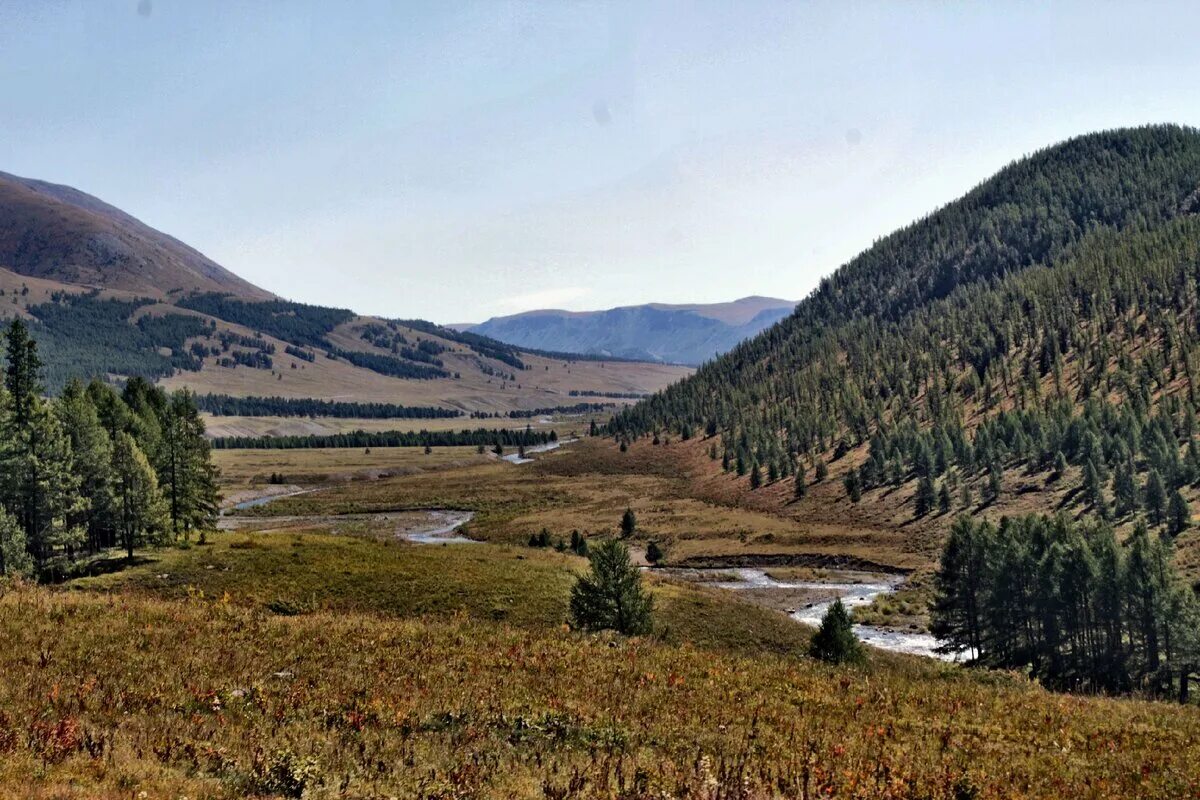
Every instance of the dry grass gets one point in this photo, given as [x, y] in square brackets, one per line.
[111, 696]
[317, 465]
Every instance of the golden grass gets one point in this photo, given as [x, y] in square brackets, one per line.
[305, 466]
[110, 696]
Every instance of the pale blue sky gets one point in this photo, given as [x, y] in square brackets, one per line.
[456, 161]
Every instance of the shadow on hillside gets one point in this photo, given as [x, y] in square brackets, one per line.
[103, 565]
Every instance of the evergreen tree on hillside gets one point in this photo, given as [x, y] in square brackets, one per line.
[835, 640]
[1155, 498]
[91, 450]
[925, 498]
[1179, 516]
[185, 469]
[14, 555]
[140, 512]
[628, 523]
[611, 595]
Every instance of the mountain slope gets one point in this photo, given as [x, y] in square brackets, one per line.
[1031, 346]
[684, 334]
[107, 296]
[60, 233]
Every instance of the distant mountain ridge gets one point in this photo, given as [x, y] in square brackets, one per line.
[672, 333]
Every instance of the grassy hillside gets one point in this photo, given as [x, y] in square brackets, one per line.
[246, 686]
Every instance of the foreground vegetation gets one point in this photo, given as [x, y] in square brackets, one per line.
[230, 702]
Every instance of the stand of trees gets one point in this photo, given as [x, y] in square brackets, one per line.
[1048, 319]
[225, 405]
[1069, 603]
[488, 437]
[94, 469]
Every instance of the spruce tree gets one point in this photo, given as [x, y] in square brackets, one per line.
[1093, 489]
[835, 641]
[1179, 516]
[945, 499]
[611, 596]
[853, 485]
[1155, 498]
[140, 511]
[91, 449]
[926, 496]
[1124, 489]
[628, 523]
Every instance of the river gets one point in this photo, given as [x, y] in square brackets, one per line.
[855, 589]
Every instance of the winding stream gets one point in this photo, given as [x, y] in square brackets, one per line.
[516, 458]
[865, 588]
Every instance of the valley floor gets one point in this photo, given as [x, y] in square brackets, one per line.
[312, 649]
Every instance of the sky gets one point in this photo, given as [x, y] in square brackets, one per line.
[457, 161]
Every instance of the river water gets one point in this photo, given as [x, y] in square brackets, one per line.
[858, 589]
[515, 458]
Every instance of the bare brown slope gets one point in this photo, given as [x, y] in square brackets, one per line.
[60, 233]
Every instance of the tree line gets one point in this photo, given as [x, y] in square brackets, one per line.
[498, 439]
[1069, 603]
[227, 405]
[94, 468]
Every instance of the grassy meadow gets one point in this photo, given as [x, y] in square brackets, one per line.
[311, 652]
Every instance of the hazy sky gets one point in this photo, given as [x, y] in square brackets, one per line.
[457, 161]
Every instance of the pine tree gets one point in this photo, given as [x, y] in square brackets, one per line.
[755, 476]
[1155, 498]
[184, 467]
[945, 499]
[91, 450]
[835, 641]
[1124, 489]
[39, 485]
[822, 471]
[654, 553]
[628, 523]
[926, 496]
[1093, 489]
[800, 488]
[1179, 516]
[995, 483]
[611, 595]
[141, 514]
[1060, 465]
[853, 484]
[14, 555]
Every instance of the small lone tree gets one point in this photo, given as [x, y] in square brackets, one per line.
[628, 523]
[835, 641]
[610, 596]
[801, 487]
[853, 484]
[654, 553]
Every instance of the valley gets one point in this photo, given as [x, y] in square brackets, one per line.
[991, 477]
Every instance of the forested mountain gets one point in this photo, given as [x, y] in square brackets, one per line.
[1043, 331]
[681, 334]
[1068, 274]
[57, 232]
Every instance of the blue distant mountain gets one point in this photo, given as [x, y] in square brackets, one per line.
[677, 334]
